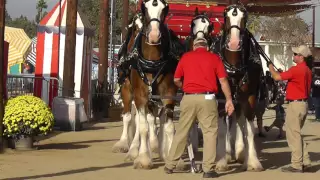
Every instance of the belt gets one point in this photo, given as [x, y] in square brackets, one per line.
[200, 93]
[298, 100]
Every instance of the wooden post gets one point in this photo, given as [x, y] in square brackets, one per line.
[2, 28]
[103, 41]
[125, 17]
[313, 25]
[70, 49]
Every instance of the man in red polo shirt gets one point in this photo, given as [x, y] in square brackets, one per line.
[298, 90]
[199, 70]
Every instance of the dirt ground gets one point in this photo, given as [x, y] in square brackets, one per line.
[86, 155]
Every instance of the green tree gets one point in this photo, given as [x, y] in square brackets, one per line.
[6, 15]
[91, 8]
[22, 22]
[289, 29]
[254, 24]
[41, 5]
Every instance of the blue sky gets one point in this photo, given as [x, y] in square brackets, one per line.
[28, 8]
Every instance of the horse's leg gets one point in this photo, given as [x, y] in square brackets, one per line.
[251, 163]
[239, 143]
[154, 144]
[134, 147]
[143, 161]
[122, 145]
[223, 145]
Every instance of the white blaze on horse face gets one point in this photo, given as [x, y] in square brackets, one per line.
[200, 26]
[154, 12]
[235, 33]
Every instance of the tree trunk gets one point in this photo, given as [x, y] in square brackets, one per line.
[70, 49]
[103, 41]
[2, 28]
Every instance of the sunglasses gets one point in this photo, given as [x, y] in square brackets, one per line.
[296, 54]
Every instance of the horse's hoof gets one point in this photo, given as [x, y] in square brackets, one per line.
[154, 146]
[143, 162]
[120, 147]
[132, 155]
[222, 168]
[257, 169]
[252, 169]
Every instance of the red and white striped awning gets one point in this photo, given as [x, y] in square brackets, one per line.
[51, 22]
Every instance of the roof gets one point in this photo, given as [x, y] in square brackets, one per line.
[19, 44]
[51, 22]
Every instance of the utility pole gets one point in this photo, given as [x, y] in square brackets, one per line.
[70, 49]
[103, 42]
[313, 25]
[2, 28]
[125, 9]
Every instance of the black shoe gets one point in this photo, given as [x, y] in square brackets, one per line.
[167, 170]
[211, 174]
[261, 135]
[291, 169]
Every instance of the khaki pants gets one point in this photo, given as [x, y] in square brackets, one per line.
[192, 107]
[295, 118]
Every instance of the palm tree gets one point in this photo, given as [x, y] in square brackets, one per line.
[41, 5]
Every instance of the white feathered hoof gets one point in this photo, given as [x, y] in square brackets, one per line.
[222, 166]
[240, 157]
[132, 154]
[154, 146]
[143, 161]
[120, 147]
[253, 167]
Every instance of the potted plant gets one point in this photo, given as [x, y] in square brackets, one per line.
[25, 117]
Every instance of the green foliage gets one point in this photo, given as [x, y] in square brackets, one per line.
[27, 115]
[91, 8]
[41, 5]
[290, 29]
[253, 24]
[22, 22]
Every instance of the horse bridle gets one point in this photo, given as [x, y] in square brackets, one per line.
[161, 22]
[242, 30]
[203, 17]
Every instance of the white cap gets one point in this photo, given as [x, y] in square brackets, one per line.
[302, 50]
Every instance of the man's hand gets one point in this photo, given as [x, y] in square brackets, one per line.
[229, 107]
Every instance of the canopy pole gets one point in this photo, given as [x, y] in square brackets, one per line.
[2, 29]
[70, 49]
[313, 25]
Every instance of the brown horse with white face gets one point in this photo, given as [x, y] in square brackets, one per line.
[245, 71]
[152, 74]
[134, 29]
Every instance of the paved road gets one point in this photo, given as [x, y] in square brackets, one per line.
[87, 155]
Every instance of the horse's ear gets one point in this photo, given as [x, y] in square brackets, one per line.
[196, 12]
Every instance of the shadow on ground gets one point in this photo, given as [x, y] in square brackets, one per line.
[71, 145]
